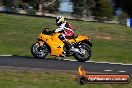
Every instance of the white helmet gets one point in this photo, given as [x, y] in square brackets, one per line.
[59, 20]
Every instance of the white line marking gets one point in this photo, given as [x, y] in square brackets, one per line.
[5, 55]
[121, 71]
[107, 70]
[89, 61]
[126, 64]
[73, 60]
[66, 59]
[115, 63]
[103, 62]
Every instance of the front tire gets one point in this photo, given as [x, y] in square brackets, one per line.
[39, 51]
[85, 53]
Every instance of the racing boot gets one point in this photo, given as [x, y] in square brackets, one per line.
[64, 54]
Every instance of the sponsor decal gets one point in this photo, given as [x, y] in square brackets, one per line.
[83, 78]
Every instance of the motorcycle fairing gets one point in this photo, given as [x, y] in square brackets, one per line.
[55, 44]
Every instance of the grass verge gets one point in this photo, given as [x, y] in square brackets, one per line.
[111, 42]
[39, 79]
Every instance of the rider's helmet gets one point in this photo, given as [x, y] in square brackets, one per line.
[59, 20]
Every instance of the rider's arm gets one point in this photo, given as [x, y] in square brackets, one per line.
[60, 28]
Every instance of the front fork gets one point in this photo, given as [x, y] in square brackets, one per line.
[40, 43]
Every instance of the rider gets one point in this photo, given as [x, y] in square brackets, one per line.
[67, 29]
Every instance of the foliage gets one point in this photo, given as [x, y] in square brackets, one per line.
[77, 7]
[54, 7]
[126, 6]
[122, 18]
[23, 5]
[11, 5]
[104, 9]
[83, 7]
[31, 11]
[33, 3]
[12, 10]
[1, 4]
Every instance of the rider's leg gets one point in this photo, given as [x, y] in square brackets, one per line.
[68, 45]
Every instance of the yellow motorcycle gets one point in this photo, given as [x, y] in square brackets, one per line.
[49, 43]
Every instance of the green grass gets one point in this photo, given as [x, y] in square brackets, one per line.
[38, 79]
[111, 42]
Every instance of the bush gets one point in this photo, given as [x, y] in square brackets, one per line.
[122, 18]
[12, 10]
[31, 11]
[104, 9]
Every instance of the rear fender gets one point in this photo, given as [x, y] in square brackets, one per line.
[84, 39]
[81, 38]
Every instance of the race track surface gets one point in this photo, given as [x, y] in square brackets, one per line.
[65, 65]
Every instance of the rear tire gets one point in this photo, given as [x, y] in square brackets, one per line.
[86, 54]
[39, 51]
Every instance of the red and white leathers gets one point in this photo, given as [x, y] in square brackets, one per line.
[67, 28]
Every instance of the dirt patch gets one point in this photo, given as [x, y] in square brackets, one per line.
[104, 37]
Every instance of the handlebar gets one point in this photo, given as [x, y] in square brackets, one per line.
[45, 31]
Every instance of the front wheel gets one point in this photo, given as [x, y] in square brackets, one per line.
[39, 51]
[84, 55]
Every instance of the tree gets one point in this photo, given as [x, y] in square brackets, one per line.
[87, 6]
[104, 9]
[33, 3]
[10, 3]
[1, 3]
[43, 4]
[82, 8]
[53, 7]
[125, 5]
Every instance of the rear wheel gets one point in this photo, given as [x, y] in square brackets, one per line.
[39, 51]
[84, 55]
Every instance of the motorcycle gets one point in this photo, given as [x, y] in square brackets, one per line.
[49, 43]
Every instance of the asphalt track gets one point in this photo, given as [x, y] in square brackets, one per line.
[64, 65]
